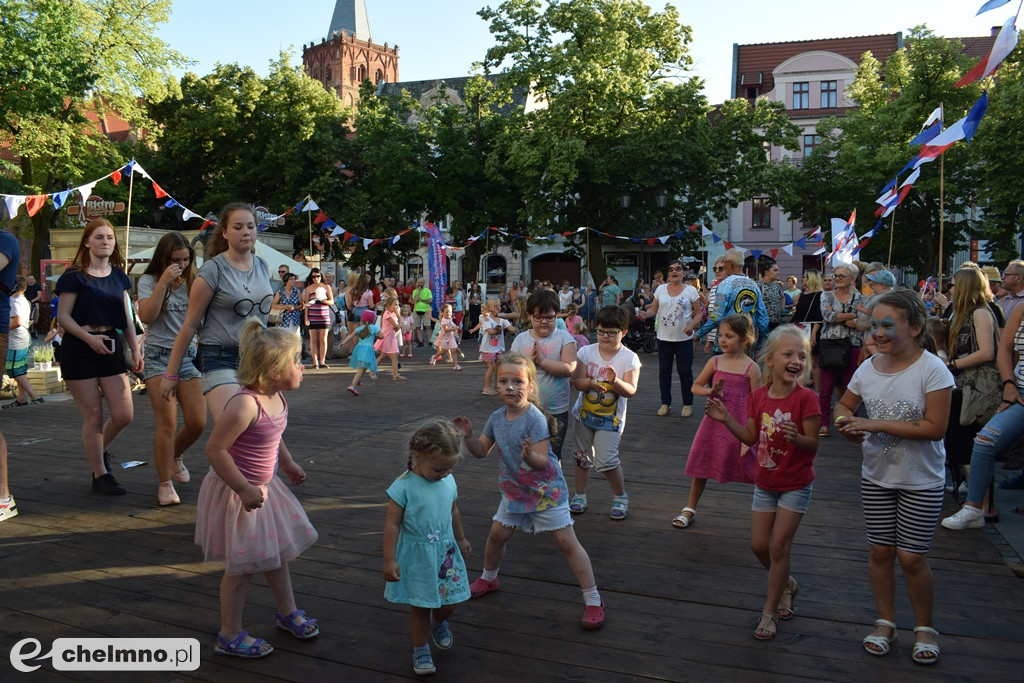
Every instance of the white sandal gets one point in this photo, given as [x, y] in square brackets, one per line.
[681, 521]
[883, 643]
[923, 648]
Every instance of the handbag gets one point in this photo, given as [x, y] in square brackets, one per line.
[982, 390]
[833, 353]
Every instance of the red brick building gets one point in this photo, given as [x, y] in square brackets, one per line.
[348, 56]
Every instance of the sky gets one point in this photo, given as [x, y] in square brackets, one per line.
[443, 38]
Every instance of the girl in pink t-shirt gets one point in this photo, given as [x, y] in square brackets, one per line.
[782, 429]
[245, 515]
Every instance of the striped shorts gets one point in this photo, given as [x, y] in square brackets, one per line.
[901, 517]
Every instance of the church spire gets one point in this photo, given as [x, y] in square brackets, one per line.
[350, 17]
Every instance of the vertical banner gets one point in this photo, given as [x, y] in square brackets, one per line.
[437, 266]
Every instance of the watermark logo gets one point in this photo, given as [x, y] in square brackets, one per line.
[109, 654]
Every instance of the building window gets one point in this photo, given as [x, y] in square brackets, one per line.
[802, 95]
[810, 142]
[829, 95]
[761, 216]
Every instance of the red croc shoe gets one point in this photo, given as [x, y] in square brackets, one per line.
[481, 587]
[593, 617]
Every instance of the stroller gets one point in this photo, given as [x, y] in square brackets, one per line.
[640, 335]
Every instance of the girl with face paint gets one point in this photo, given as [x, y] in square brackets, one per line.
[906, 393]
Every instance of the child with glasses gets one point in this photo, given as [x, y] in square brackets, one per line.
[606, 376]
[553, 351]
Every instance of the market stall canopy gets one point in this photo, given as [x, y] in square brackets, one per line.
[273, 257]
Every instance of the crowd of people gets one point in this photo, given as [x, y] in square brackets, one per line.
[920, 379]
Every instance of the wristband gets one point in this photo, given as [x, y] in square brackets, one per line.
[172, 378]
[1008, 381]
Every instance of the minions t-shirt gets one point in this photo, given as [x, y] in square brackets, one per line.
[604, 410]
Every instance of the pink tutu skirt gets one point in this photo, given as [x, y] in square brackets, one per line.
[255, 541]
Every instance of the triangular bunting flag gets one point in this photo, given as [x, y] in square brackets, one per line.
[159, 191]
[13, 202]
[320, 218]
[60, 197]
[34, 202]
[116, 177]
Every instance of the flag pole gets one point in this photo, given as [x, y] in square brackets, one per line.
[128, 216]
[942, 190]
[309, 219]
[892, 229]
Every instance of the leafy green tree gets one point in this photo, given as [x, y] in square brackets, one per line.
[233, 135]
[62, 58]
[619, 115]
[861, 152]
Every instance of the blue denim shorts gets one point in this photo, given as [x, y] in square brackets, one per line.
[218, 365]
[156, 363]
[794, 501]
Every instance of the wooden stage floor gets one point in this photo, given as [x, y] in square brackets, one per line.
[682, 604]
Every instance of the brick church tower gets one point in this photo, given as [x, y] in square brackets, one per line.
[348, 56]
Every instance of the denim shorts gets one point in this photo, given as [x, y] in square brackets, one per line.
[218, 365]
[535, 522]
[794, 501]
[156, 363]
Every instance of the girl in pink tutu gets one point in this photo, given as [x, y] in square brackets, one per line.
[446, 343]
[246, 516]
[715, 452]
[391, 326]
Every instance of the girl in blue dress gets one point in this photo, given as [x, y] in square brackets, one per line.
[364, 357]
[424, 542]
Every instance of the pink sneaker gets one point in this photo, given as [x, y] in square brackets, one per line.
[481, 587]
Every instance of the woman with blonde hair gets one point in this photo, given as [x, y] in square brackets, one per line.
[971, 343]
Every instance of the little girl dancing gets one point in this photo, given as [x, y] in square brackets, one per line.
[424, 542]
[782, 422]
[492, 341]
[446, 343]
[245, 514]
[363, 358]
[731, 377]
[534, 494]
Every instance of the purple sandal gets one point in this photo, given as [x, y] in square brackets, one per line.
[287, 623]
[236, 647]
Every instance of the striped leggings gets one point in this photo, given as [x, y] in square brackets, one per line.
[901, 517]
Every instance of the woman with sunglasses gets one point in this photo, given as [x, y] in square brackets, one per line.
[232, 285]
[674, 305]
[319, 300]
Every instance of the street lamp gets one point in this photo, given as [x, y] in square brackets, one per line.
[661, 200]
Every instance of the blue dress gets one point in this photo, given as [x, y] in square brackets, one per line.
[363, 355]
[432, 569]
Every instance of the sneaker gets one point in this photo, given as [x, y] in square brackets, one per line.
[107, 485]
[423, 663]
[967, 518]
[663, 410]
[457, 367]
[687, 411]
[578, 504]
[441, 634]
[167, 495]
[620, 507]
[181, 474]
[481, 587]
[36, 401]
[433, 360]
[8, 509]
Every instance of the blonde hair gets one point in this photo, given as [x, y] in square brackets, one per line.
[440, 439]
[771, 345]
[492, 301]
[970, 292]
[813, 280]
[519, 360]
[580, 328]
[265, 354]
